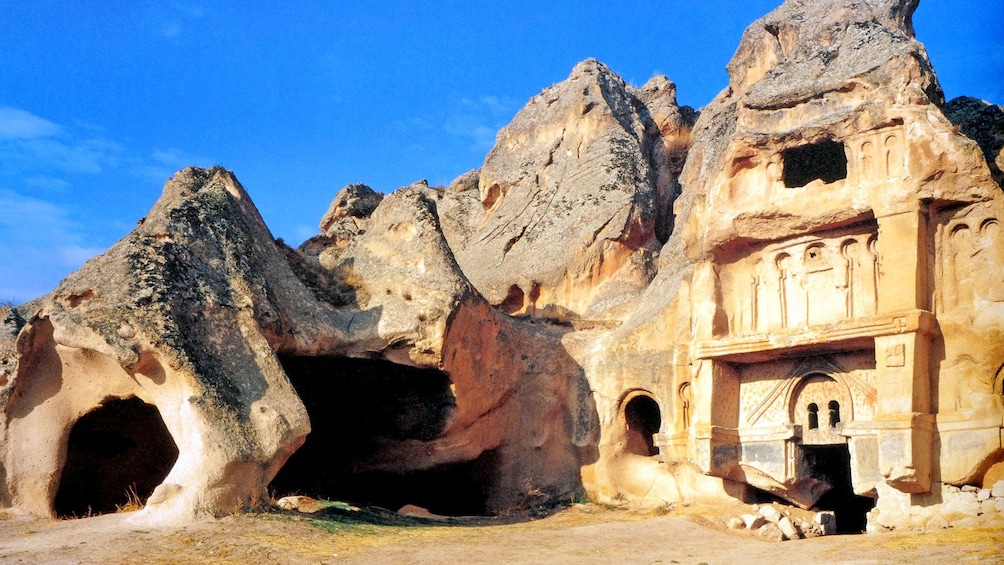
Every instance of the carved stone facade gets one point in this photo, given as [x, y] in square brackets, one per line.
[846, 295]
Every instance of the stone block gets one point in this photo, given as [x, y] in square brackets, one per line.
[968, 522]
[753, 521]
[771, 532]
[983, 494]
[960, 505]
[788, 528]
[827, 522]
[998, 489]
[770, 514]
[736, 523]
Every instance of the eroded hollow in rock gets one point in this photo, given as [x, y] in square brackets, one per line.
[643, 418]
[116, 453]
[355, 407]
[832, 463]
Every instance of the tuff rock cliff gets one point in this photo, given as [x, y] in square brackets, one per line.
[797, 292]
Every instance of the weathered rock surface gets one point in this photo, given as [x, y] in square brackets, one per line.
[196, 312]
[810, 306]
[983, 122]
[820, 198]
[575, 196]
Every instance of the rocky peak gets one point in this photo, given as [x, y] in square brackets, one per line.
[576, 193]
[353, 201]
[803, 49]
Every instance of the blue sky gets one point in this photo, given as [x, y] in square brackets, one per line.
[101, 101]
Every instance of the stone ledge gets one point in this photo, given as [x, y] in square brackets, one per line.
[850, 335]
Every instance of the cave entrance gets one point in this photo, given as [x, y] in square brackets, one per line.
[643, 419]
[832, 463]
[116, 454]
[358, 405]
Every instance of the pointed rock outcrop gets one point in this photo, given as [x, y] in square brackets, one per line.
[576, 196]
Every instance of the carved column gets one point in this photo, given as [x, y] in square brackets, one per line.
[903, 423]
[715, 384]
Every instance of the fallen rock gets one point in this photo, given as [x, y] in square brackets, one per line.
[771, 532]
[998, 489]
[937, 522]
[413, 511]
[303, 504]
[770, 514]
[753, 521]
[788, 528]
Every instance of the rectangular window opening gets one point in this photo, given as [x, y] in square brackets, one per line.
[824, 160]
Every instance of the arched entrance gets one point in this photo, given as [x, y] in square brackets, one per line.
[116, 454]
[820, 404]
[643, 418]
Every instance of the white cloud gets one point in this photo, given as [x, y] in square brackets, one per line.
[171, 29]
[68, 155]
[47, 183]
[479, 120]
[163, 163]
[43, 234]
[19, 124]
[74, 256]
[39, 245]
[26, 219]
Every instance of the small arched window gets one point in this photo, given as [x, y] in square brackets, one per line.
[834, 410]
[813, 416]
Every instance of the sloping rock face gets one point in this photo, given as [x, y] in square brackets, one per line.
[575, 198]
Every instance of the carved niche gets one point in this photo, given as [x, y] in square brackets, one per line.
[802, 282]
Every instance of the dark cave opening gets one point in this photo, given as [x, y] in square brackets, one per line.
[115, 453]
[643, 419]
[355, 406]
[832, 463]
[825, 160]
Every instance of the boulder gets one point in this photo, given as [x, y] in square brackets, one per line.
[753, 521]
[770, 514]
[771, 532]
[997, 491]
[788, 528]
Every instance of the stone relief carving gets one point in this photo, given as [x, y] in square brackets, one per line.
[803, 283]
[779, 393]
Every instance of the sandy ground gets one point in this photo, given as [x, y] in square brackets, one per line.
[583, 533]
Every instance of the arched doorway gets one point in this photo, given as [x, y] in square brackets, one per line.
[643, 418]
[116, 454]
[820, 405]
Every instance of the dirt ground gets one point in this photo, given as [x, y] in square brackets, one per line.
[581, 533]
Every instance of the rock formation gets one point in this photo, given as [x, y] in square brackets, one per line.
[576, 198]
[811, 306]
